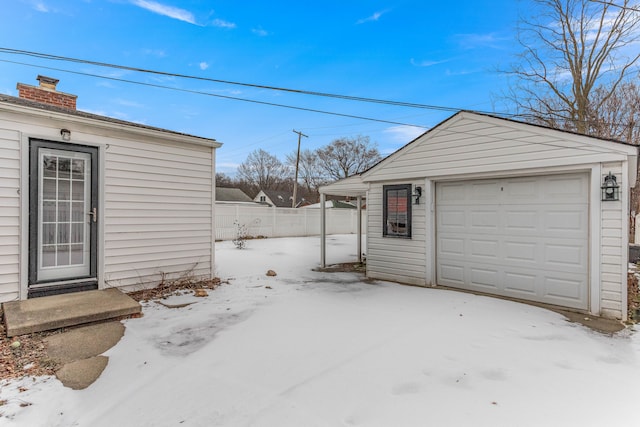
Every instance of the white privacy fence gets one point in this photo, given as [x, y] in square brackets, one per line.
[283, 222]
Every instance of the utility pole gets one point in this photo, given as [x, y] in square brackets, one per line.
[295, 182]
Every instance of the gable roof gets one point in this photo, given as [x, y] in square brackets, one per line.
[228, 194]
[11, 103]
[473, 143]
[281, 199]
[488, 142]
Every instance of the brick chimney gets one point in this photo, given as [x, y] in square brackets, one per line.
[46, 93]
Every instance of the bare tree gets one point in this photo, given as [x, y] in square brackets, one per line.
[223, 180]
[309, 173]
[569, 50]
[347, 156]
[262, 170]
[618, 116]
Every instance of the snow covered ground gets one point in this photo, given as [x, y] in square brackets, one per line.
[325, 349]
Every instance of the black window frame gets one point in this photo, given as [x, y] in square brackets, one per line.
[386, 190]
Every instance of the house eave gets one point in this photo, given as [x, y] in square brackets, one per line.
[107, 124]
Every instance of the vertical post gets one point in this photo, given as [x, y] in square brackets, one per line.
[359, 222]
[323, 230]
[295, 181]
[212, 246]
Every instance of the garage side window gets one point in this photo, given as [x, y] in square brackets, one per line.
[396, 210]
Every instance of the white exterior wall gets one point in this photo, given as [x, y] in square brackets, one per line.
[469, 146]
[391, 258]
[613, 238]
[9, 214]
[157, 212]
[156, 196]
[482, 148]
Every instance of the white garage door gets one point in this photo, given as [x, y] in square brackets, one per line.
[521, 237]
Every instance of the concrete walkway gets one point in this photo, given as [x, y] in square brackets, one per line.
[80, 352]
[60, 311]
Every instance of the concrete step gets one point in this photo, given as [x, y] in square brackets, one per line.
[60, 311]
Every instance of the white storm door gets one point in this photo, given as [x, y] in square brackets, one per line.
[63, 213]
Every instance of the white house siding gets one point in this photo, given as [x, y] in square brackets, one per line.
[490, 145]
[612, 257]
[158, 212]
[470, 146]
[9, 214]
[392, 258]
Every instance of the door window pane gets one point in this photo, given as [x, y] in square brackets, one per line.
[77, 192]
[48, 256]
[77, 213]
[49, 166]
[63, 232]
[77, 255]
[64, 189]
[48, 211]
[77, 232]
[63, 211]
[49, 189]
[63, 255]
[49, 234]
[77, 169]
[64, 168]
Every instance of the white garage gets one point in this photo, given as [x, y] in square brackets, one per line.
[501, 207]
[523, 237]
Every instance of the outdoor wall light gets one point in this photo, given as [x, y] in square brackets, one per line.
[66, 134]
[610, 188]
[417, 194]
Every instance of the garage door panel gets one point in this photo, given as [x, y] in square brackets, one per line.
[484, 280]
[570, 222]
[486, 249]
[453, 193]
[521, 252]
[520, 284]
[566, 189]
[566, 288]
[483, 191]
[565, 256]
[452, 274]
[484, 219]
[454, 219]
[519, 237]
[517, 221]
[525, 191]
[452, 247]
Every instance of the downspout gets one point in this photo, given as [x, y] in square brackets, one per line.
[360, 229]
[323, 231]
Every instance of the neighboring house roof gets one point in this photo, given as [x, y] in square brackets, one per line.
[47, 108]
[227, 194]
[280, 199]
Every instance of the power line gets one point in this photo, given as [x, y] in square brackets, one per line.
[235, 98]
[608, 3]
[296, 91]
[229, 82]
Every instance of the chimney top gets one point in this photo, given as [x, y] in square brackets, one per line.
[46, 93]
[47, 82]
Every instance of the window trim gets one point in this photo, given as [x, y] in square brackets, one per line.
[385, 213]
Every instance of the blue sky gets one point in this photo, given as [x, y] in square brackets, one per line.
[428, 52]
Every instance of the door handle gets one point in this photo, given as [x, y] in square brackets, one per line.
[94, 215]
